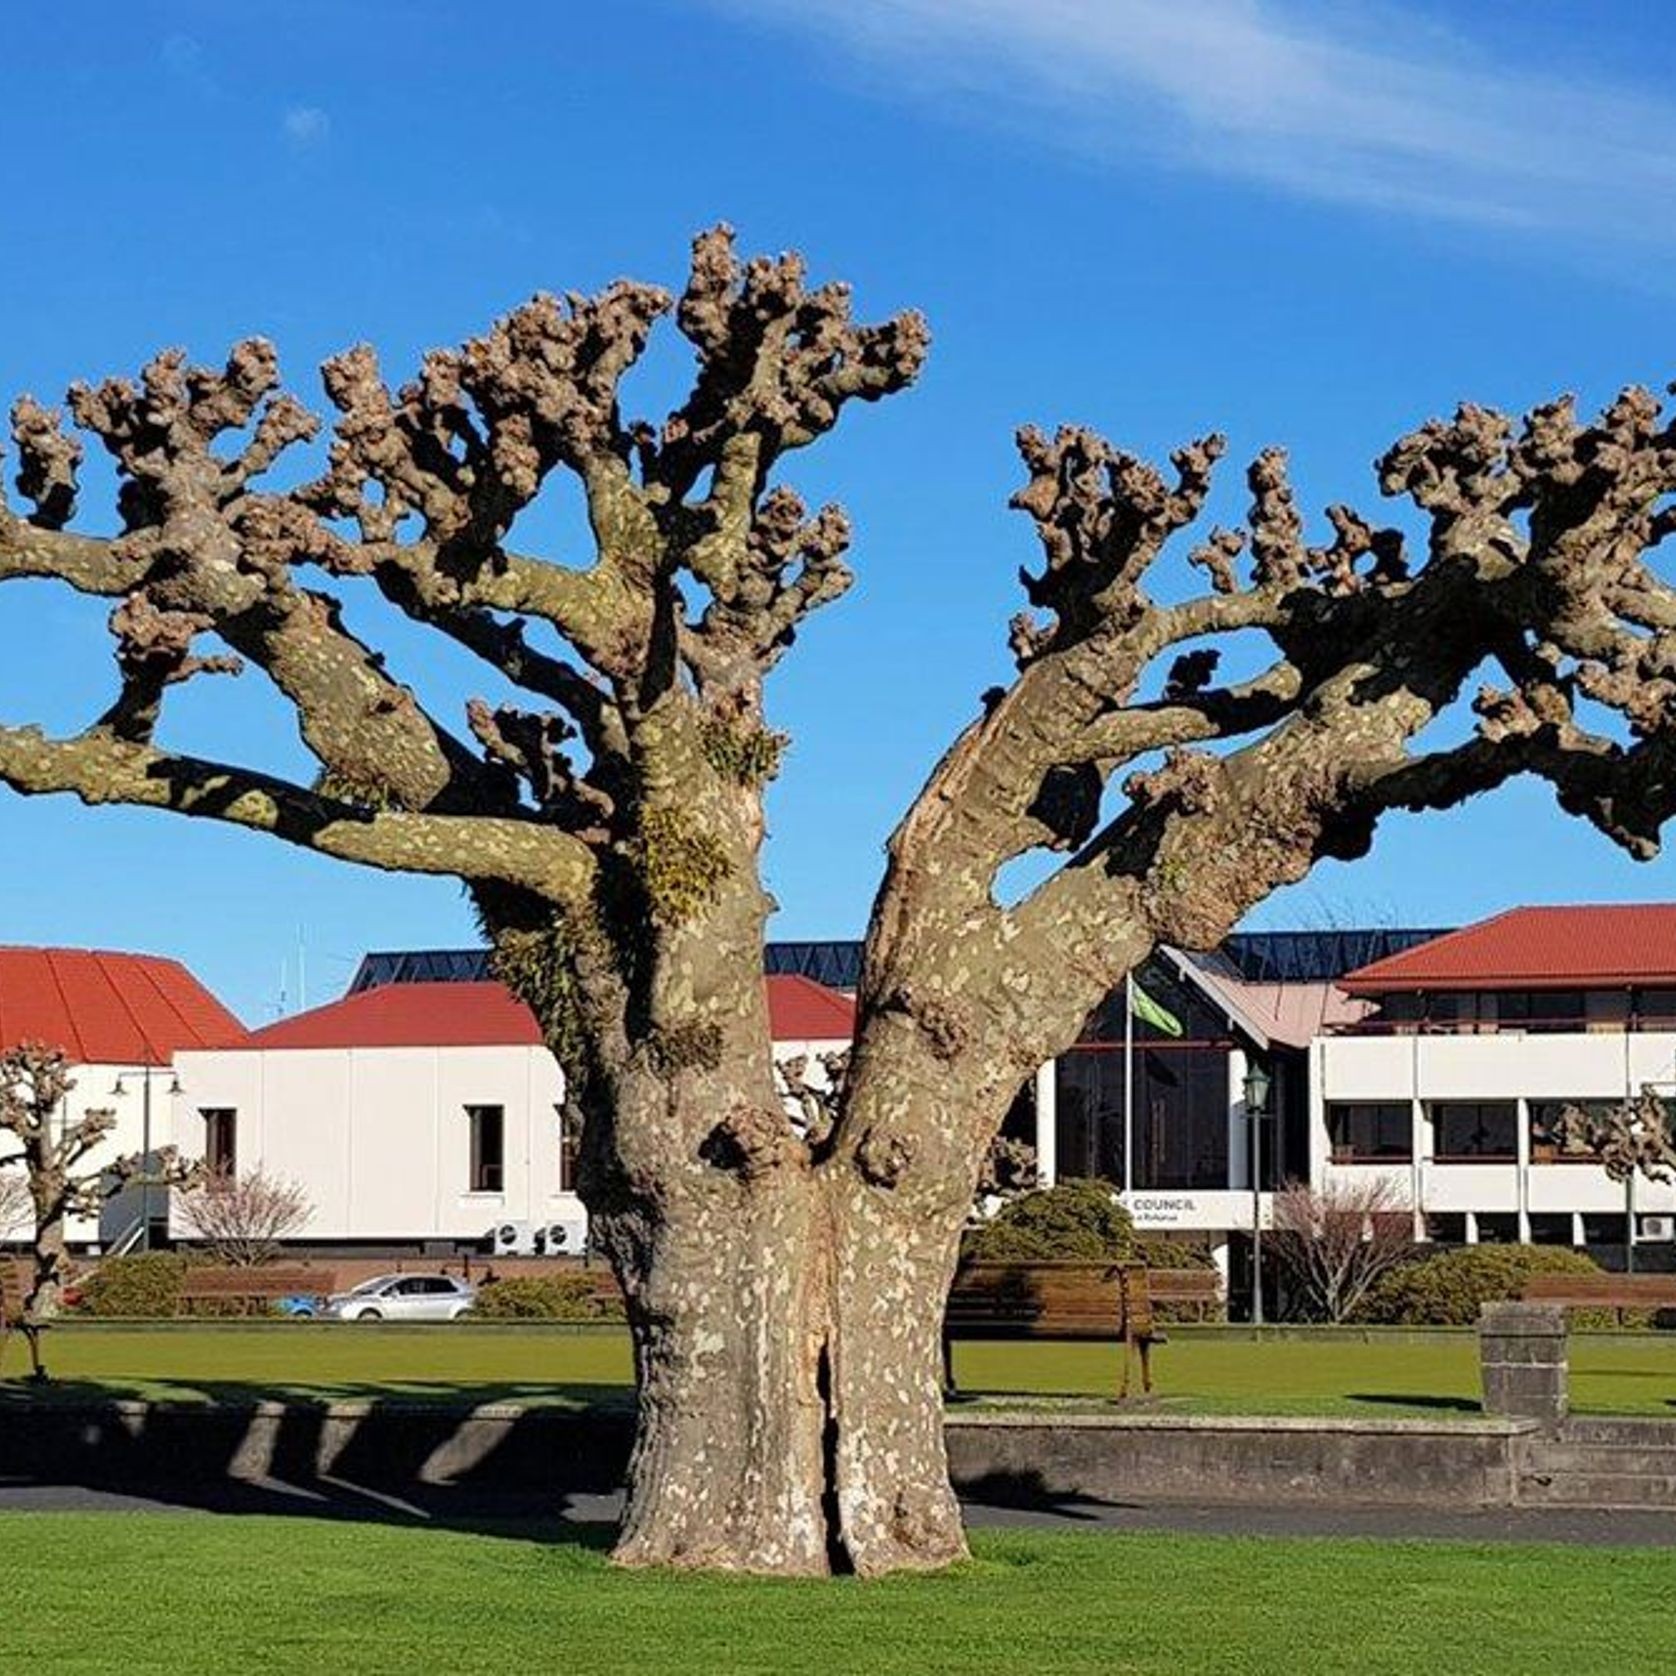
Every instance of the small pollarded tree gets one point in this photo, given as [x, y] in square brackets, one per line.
[245, 1220]
[1334, 1243]
[55, 1149]
[784, 1285]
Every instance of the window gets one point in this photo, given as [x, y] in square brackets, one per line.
[1545, 1130]
[1540, 1009]
[488, 1148]
[1498, 1227]
[1604, 1230]
[1371, 1131]
[1475, 1129]
[1551, 1227]
[1449, 1010]
[1655, 1009]
[570, 1150]
[1448, 1227]
[1400, 1012]
[220, 1139]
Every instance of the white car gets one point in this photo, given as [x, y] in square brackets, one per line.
[403, 1297]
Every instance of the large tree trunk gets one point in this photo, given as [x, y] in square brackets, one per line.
[786, 1319]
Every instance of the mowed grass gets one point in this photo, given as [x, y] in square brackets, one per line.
[1403, 1374]
[186, 1593]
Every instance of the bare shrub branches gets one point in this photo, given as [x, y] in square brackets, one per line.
[1334, 1243]
[244, 1220]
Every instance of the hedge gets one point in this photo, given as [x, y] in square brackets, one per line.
[575, 1295]
[1446, 1290]
[146, 1286]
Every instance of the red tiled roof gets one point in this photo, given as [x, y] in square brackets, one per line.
[1576, 947]
[801, 1010]
[108, 1009]
[486, 1015]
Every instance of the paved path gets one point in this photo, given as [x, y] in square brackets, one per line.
[1561, 1525]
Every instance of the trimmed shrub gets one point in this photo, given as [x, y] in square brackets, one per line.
[1080, 1221]
[574, 1295]
[1070, 1220]
[147, 1285]
[1445, 1290]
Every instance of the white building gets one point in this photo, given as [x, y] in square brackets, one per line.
[1451, 1083]
[121, 1019]
[418, 1113]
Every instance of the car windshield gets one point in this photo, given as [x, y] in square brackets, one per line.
[375, 1285]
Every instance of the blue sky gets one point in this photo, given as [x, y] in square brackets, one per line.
[1297, 222]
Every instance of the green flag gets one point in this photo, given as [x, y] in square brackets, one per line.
[1144, 1007]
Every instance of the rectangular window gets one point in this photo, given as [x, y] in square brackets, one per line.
[1498, 1227]
[1452, 1010]
[1480, 1130]
[1655, 1009]
[220, 1139]
[1448, 1227]
[488, 1148]
[1551, 1228]
[570, 1147]
[1540, 1009]
[1545, 1130]
[1371, 1131]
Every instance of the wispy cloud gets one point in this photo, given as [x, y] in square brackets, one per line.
[306, 126]
[1342, 101]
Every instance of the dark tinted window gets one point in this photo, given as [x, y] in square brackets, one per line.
[1371, 1129]
[488, 1148]
[1475, 1129]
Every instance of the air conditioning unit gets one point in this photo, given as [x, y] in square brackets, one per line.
[563, 1239]
[1655, 1228]
[514, 1239]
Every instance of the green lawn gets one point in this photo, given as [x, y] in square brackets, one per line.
[185, 1593]
[1400, 1374]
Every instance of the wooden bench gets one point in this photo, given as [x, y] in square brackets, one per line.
[264, 1285]
[1071, 1300]
[1602, 1291]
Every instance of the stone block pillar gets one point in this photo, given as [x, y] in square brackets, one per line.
[1523, 1360]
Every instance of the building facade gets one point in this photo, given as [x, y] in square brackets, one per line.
[422, 1111]
[122, 1020]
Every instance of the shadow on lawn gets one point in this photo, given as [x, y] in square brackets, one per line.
[1029, 1492]
[394, 1459]
[1399, 1399]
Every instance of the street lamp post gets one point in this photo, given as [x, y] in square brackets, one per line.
[1256, 1093]
[145, 1073]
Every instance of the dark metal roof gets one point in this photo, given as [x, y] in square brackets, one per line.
[835, 964]
[420, 966]
[1257, 956]
[1316, 956]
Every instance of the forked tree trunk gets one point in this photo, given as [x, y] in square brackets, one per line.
[787, 1356]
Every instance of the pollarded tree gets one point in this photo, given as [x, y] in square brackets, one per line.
[784, 1287]
[56, 1152]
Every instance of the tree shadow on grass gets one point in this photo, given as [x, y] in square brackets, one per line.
[1028, 1491]
[536, 1472]
[1399, 1399]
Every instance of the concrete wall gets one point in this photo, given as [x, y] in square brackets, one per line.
[1038, 1460]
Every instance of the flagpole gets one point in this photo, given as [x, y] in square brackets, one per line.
[1128, 1086]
